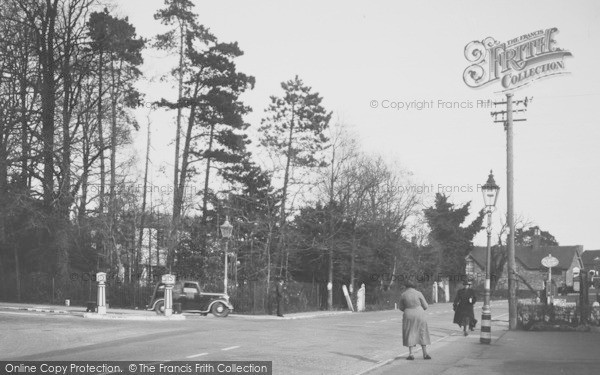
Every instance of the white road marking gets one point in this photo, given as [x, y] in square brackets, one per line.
[196, 355]
[386, 361]
[231, 347]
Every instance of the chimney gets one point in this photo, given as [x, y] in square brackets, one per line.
[536, 238]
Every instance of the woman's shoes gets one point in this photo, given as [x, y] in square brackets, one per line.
[411, 358]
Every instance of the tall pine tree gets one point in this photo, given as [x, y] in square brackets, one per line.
[294, 127]
[450, 239]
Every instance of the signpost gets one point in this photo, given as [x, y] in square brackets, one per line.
[549, 262]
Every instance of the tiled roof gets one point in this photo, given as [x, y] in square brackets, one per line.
[479, 255]
[532, 258]
[588, 257]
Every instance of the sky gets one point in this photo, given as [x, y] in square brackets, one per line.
[362, 56]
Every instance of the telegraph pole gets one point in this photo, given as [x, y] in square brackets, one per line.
[507, 119]
[512, 287]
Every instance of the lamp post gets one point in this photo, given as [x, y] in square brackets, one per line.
[226, 230]
[490, 196]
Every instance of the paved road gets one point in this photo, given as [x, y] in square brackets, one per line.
[342, 344]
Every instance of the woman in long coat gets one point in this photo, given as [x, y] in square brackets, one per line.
[414, 325]
[463, 307]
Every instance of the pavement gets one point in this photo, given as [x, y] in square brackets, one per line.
[512, 352]
[130, 314]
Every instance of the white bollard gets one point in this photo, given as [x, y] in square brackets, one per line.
[360, 300]
[169, 281]
[434, 292]
[447, 291]
[101, 298]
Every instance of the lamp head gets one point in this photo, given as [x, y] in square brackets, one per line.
[226, 228]
[490, 192]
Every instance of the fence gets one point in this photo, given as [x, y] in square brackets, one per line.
[252, 297]
[255, 298]
[249, 298]
[43, 288]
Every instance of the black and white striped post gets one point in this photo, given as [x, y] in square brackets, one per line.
[490, 196]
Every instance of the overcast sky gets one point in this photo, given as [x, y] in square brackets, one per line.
[357, 53]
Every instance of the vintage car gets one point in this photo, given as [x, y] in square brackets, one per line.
[189, 295]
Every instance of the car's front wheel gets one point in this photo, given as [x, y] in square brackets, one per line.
[160, 307]
[220, 310]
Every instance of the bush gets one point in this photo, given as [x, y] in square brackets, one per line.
[540, 316]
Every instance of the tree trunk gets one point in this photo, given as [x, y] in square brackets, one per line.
[268, 252]
[178, 133]
[101, 135]
[113, 162]
[144, 194]
[17, 271]
[48, 97]
[330, 279]
[3, 188]
[64, 199]
[207, 175]
[84, 174]
[65, 185]
[331, 232]
[113, 146]
[178, 200]
[25, 147]
[352, 262]
[286, 179]
[100, 245]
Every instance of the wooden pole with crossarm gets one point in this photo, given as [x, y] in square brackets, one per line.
[506, 117]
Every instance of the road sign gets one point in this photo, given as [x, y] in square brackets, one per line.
[549, 261]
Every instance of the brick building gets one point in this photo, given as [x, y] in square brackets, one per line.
[530, 272]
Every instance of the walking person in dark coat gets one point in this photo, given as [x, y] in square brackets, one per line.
[280, 294]
[414, 325]
[463, 307]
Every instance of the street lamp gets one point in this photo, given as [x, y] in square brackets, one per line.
[490, 196]
[226, 230]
